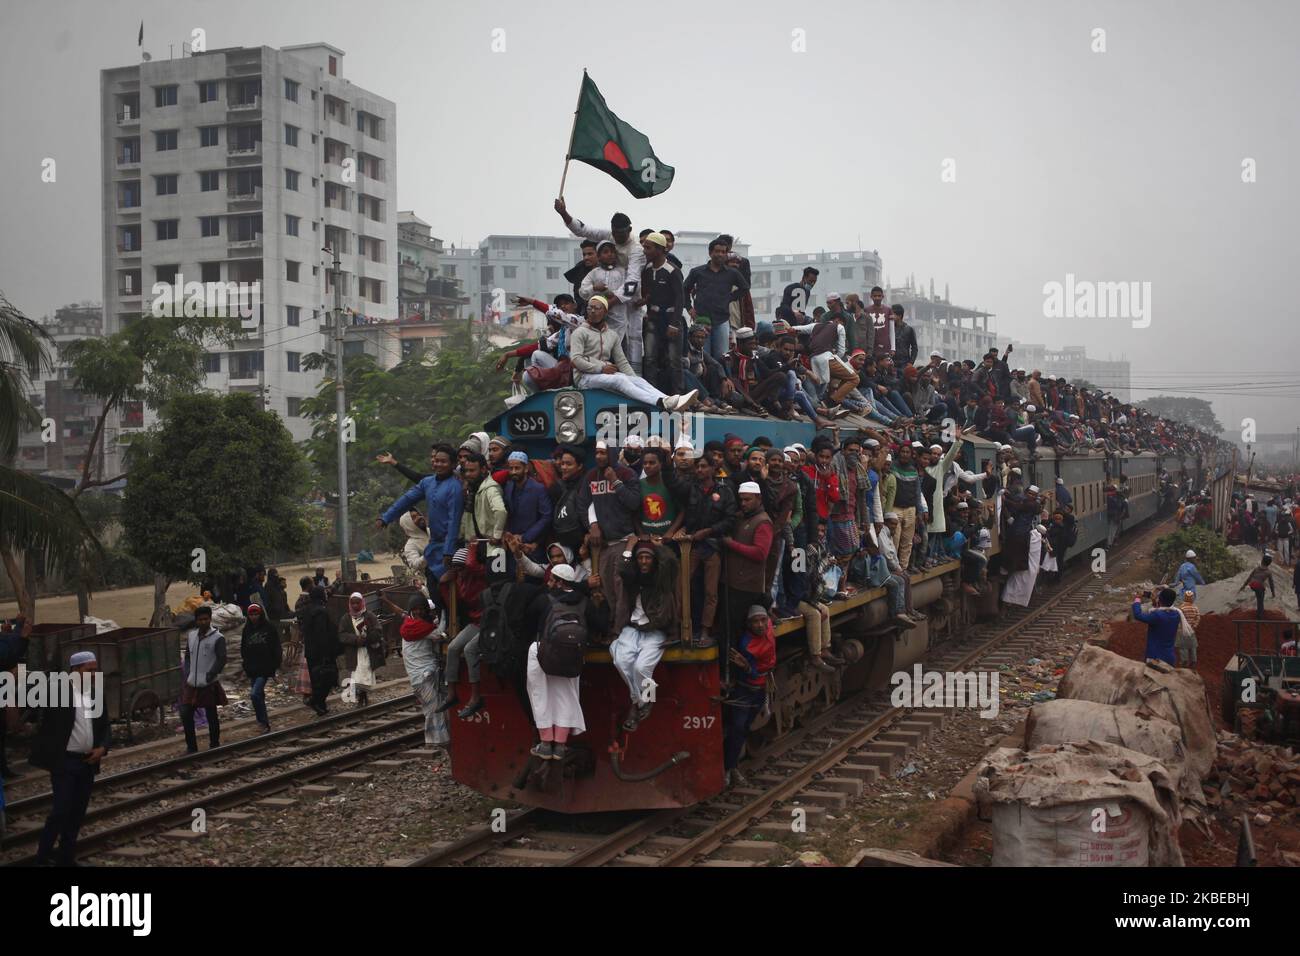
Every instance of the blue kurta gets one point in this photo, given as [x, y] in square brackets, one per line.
[1162, 630]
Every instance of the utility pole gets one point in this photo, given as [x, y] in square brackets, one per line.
[340, 405]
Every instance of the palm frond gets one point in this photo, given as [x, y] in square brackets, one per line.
[35, 516]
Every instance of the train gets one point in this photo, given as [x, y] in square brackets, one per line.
[674, 759]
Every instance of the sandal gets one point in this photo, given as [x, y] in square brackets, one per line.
[451, 702]
[471, 709]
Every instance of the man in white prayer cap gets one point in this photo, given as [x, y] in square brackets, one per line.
[72, 739]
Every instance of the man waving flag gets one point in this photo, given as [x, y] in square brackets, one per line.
[603, 140]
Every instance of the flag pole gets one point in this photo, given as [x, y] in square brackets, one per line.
[573, 129]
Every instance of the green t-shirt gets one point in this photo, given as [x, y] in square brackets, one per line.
[658, 510]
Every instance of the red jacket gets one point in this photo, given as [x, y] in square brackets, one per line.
[759, 651]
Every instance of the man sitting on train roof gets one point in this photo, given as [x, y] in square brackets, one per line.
[599, 362]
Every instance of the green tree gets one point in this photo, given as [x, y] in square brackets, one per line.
[219, 474]
[1196, 412]
[41, 526]
[1214, 559]
[150, 359]
[441, 394]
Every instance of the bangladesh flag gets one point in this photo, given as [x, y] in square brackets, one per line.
[603, 140]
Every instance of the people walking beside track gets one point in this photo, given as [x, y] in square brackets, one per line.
[320, 647]
[362, 639]
[260, 651]
[1259, 577]
[205, 659]
[421, 628]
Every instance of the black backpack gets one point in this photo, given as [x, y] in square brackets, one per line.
[564, 640]
[568, 518]
[496, 638]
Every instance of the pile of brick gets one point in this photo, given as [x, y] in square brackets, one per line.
[1261, 779]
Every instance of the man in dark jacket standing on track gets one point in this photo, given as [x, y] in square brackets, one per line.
[320, 646]
[70, 743]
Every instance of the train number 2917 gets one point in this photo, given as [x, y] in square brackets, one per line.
[697, 723]
[482, 717]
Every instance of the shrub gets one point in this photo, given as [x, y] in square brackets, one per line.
[1213, 558]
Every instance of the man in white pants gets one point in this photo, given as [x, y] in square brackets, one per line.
[646, 618]
[599, 362]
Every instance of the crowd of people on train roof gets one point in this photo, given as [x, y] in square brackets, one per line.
[775, 532]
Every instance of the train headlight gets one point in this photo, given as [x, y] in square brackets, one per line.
[567, 406]
[567, 431]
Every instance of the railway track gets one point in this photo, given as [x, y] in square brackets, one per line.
[145, 799]
[816, 768]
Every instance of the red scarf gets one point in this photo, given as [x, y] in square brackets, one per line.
[415, 628]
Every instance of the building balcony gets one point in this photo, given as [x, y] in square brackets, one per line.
[245, 197]
[129, 296]
[128, 118]
[128, 162]
[130, 251]
[244, 248]
[248, 106]
[251, 68]
[239, 153]
[244, 378]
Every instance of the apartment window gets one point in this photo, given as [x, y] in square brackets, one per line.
[164, 139]
[762, 280]
[207, 91]
[167, 228]
[166, 185]
[210, 272]
[376, 291]
[291, 179]
[552, 272]
[247, 182]
[165, 273]
[209, 226]
[209, 136]
[291, 270]
[292, 315]
[164, 96]
[212, 362]
[209, 180]
[247, 92]
[130, 151]
[354, 347]
[510, 271]
[334, 66]
[449, 272]
[293, 407]
[247, 137]
[291, 225]
[846, 273]
[291, 90]
[787, 275]
[130, 239]
[290, 135]
[245, 228]
[245, 364]
[291, 359]
[552, 247]
[487, 274]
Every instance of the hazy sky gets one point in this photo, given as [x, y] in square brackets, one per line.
[1123, 165]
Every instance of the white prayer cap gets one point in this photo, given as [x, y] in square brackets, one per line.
[1190, 553]
[601, 444]
[871, 443]
[962, 504]
[1015, 471]
[744, 334]
[81, 657]
[936, 448]
[1004, 447]
[790, 450]
[599, 298]
[564, 572]
[1030, 408]
[891, 515]
[936, 354]
[1060, 480]
[1034, 489]
[749, 488]
[633, 441]
[684, 441]
[799, 447]
[832, 296]
[917, 444]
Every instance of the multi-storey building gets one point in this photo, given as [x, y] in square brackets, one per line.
[423, 293]
[60, 450]
[241, 165]
[842, 272]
